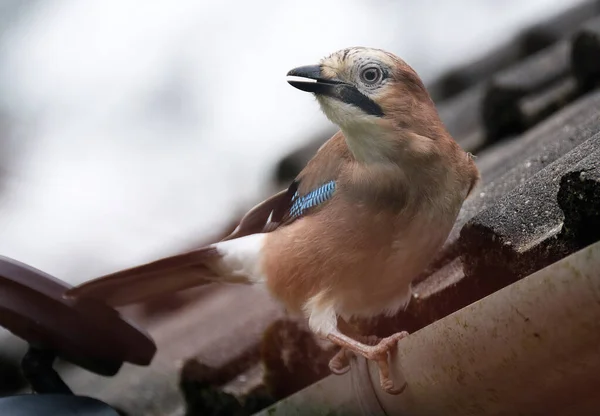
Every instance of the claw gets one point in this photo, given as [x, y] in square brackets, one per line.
[388, 387]
[340, 363]
[339, 371]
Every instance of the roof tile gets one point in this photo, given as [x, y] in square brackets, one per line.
[530, 41]
[519, 96]
[586, 54]
[521, 233]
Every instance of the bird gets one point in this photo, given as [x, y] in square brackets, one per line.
[358, 224]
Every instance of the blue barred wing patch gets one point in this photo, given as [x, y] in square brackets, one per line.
[300, 204]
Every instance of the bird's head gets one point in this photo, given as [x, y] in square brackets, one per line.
[374, 97]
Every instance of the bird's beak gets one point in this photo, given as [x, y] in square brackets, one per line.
[310, 79]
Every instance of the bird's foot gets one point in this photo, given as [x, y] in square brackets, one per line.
[374, 349]
[379, 354]
[340, 363]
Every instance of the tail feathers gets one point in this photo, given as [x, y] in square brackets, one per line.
[137, 284]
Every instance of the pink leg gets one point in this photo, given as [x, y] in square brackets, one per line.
[378, 353]
[340, 363]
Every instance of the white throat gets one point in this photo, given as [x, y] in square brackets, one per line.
[368, 144]
[365, 137]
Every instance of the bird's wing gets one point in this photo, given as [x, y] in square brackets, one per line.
[311, 189]
[309, 192]
[267, 215]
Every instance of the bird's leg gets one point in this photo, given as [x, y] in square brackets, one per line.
[377, 353]
[340, 363]
[323, 320]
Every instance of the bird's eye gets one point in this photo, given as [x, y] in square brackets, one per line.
[371, 75]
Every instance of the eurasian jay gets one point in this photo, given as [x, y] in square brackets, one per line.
[357, 225]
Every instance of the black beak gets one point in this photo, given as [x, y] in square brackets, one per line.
[314, 82]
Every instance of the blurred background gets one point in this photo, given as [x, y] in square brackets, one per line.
[132, 129]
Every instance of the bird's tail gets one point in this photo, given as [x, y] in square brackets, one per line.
[137, 284]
